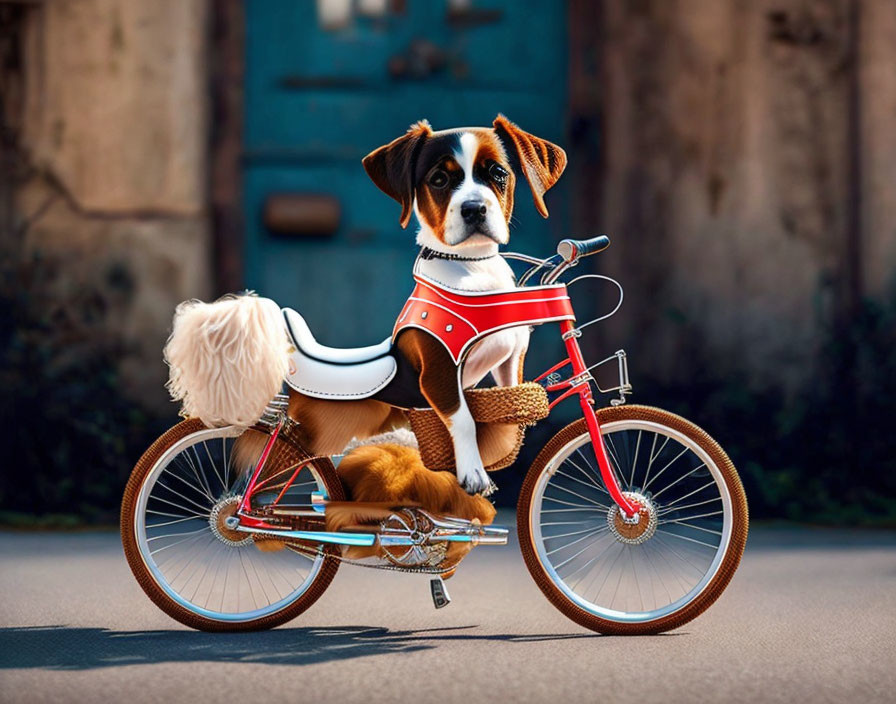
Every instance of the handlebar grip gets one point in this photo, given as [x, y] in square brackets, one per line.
[571, 250]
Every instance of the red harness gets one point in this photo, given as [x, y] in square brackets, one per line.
[458, 319]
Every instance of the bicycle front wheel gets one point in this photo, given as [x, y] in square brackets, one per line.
[644, 575]
[189, 562]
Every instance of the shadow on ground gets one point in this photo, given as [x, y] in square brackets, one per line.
[64, 648]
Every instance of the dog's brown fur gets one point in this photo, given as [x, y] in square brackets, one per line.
[388, 475]
[330, 425]
[379, 479]
[436, 369]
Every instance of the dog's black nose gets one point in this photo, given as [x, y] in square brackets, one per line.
[472, 211]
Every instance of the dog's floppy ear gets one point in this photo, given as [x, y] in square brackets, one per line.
[540, 161]
[392, 167]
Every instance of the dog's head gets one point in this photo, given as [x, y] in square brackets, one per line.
[460, 182]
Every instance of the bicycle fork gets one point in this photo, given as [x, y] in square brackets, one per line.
[580, 383]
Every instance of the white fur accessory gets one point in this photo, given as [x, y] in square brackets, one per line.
[227, 359]
[397, 436]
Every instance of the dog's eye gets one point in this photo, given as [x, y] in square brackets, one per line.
[498, 173]
[438, 178]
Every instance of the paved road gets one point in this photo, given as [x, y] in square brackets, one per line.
[810, 616]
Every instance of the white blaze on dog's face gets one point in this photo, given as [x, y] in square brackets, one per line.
[460, 182]
[465, 196]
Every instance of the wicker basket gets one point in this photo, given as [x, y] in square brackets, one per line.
[501, 414]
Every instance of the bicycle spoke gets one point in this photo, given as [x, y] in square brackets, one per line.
[570, 559]
[613, 453]
[631, 481]
[671, 508]
[590, 562]
[705, 530]
[200, 477]
[669, 548]
[185, 509]
[659, 474]
[590, 486]
[607, 575]
[173, 515]
[185, 498]
[576, 494]
[176, 535]
[186, 483]
[681, 478]
[214, 465]
[691, 518]
[577, 540]
[171, 545]
[692, 540]
[654, 456]
[600, 509]
[226, 463]
[599, 486]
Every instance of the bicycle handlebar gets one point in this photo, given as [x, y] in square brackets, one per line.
[570, 250]
[568, 254]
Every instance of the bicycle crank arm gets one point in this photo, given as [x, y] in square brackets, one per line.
[446, 529]
[488, 536]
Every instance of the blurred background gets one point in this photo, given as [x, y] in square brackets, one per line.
[741, 155]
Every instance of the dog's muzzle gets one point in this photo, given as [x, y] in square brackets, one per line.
[473, 212]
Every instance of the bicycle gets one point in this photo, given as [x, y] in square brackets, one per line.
[631, 519]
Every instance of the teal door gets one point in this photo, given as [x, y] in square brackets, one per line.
[320, 94]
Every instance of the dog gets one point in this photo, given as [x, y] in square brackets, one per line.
[230, 357]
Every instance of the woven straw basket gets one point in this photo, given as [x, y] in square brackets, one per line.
[501, 414]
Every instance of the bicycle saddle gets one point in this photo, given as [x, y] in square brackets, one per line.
[337, 374]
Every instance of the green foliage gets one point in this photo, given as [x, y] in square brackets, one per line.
[826, 455]
[70, 439]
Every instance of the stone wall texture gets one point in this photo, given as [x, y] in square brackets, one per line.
[112, 125]
[749, 175]
[116, 103]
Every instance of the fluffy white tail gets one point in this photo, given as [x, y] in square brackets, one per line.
[227, 359]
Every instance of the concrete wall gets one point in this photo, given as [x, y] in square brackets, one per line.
[749, 176]
[112, 127]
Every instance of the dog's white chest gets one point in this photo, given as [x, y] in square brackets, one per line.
[474, 276]
[477, 276]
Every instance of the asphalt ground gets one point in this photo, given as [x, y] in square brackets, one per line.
[809, 617]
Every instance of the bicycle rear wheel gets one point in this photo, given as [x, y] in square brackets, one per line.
[633, 577]
[185, 558]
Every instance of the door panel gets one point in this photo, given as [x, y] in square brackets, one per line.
[317, 101]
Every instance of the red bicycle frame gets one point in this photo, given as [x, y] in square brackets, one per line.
[578, 383]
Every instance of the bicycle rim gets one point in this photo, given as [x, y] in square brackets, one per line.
[178, 527]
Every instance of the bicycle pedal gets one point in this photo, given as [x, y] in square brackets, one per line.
[439, 592]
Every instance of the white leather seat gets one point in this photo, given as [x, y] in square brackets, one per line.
[337, 374]
[303, 339]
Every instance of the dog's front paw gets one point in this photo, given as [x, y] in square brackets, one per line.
[475, 481]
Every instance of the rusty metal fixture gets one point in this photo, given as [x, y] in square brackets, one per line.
[308, 214]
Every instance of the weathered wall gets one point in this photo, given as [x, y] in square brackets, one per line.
[877, 52]
[749, 176]
[111, 127]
